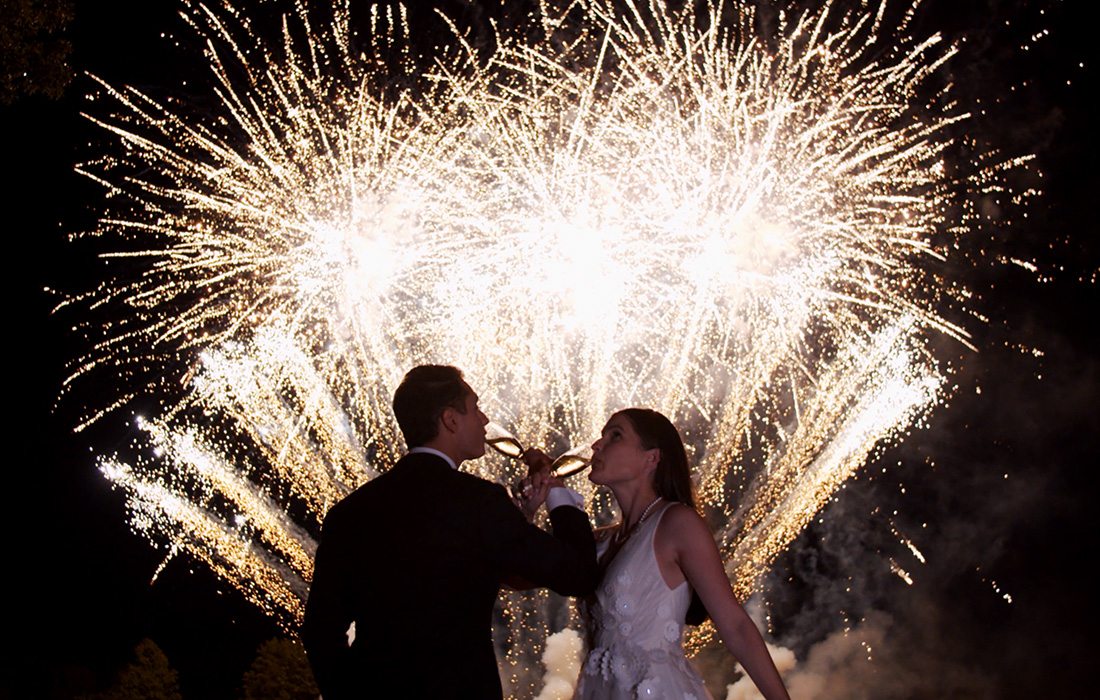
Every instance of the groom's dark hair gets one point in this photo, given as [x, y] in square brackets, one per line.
[419, 402]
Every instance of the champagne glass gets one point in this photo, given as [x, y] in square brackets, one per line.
[572, 461]
[502, 441]
[568, 463]
[508, 445]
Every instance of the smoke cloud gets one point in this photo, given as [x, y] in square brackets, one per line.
[870, 661]
[562, 659]
[744, 689]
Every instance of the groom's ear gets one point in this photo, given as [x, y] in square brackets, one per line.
[447, 420]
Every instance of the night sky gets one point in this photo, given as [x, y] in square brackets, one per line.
[997, 492]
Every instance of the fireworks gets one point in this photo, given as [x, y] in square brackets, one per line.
[620, 204]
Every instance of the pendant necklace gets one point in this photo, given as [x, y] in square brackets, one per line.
[620, 538]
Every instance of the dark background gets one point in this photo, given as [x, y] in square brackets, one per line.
[79, 581]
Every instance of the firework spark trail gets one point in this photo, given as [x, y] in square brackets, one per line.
[289, 438]
[658, 208]
[864, 393]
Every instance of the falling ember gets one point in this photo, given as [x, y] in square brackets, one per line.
[900, 572]
[1006, 597]
[661, 208]
[908, 543]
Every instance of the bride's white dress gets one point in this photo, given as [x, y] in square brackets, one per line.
[635, 625]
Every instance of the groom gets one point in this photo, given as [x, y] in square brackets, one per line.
[416, 556]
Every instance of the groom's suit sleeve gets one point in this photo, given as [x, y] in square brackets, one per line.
[328, 615]
[564, 561]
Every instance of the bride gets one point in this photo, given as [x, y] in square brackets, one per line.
[651, 562]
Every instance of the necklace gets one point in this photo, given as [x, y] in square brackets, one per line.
[620, 537]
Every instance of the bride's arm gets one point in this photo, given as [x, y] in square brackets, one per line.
[698, 558]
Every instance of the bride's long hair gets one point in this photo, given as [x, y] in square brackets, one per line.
[672, 479]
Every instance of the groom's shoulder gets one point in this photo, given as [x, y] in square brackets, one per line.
[417, 473]
[476, 484]
[362, 498]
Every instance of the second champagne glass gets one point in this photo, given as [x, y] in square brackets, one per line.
[568, 463]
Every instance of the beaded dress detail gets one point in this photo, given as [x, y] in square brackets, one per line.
[635, 626]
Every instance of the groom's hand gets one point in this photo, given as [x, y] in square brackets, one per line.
[538, 463]
[538, 469]
[537, 484]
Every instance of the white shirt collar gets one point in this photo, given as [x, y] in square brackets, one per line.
[433, 451]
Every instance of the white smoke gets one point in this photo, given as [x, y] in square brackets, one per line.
[839, 665]
[874, 660]
[744, 689]
[836, 667]
[562, 659]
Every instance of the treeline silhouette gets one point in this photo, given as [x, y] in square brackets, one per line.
[280, 671]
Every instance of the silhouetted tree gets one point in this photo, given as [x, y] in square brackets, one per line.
[280, 672]
[149, 677]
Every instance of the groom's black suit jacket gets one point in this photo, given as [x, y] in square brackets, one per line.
[415, 558]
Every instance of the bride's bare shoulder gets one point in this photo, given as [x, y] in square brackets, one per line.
[681, 519]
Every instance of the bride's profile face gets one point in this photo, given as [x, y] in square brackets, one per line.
[619, 456]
